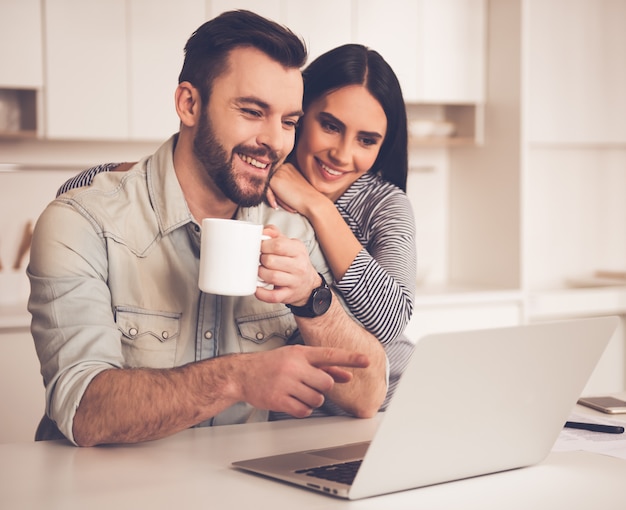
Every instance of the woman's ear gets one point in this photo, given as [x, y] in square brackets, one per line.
[188, 103]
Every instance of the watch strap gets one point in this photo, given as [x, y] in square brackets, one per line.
[309, 310]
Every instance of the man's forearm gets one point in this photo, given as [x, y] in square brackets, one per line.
[132, 405]
[363, 395]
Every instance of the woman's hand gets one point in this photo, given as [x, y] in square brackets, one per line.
[291, 191]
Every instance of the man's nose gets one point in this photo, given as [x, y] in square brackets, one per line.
[273, 137]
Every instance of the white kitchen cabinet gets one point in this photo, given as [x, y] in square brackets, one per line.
[86, 69]
[271, 9]
[436, 48]
[21, 387]
[112, 67]
[21, 64]
[155, 61]
[451, 49]
[21, 68]
[323, 24]
[587, 103]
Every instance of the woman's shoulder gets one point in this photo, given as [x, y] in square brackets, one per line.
[372, 189]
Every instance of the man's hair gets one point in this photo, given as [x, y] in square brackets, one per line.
[207, 50]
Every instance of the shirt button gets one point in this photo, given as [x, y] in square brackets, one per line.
[208, 335]
[260, 336]
[288, 332]
[165, 335]
[132, 331]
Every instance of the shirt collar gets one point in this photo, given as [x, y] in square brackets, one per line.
[164, 189]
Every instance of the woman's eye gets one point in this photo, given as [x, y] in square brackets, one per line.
[368, 141]
[328, 126]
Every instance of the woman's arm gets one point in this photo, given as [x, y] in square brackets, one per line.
[85, 177]
[375, 273]
[293, 192]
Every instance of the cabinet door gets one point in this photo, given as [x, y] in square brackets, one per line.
[323, 24]
[21, 63]
[268, 8]
[576, 76]
[451, 45]
[86, 69]
[391, 28]
[155, 60]
[437, 48]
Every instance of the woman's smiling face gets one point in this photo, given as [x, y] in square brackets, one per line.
[339, 139]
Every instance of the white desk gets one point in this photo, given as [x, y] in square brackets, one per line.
[191, 470]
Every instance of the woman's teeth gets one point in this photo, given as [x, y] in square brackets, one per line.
[329, 170]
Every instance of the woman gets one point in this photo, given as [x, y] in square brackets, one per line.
[351, 153]
[351, 157]
[347, 175]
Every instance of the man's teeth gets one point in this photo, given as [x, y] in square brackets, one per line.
[253, 162]
[330, 170]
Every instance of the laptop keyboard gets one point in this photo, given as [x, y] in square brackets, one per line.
[342, 473]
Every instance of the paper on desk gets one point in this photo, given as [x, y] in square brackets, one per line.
[596, 442]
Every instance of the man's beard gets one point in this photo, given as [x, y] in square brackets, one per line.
[219, 167]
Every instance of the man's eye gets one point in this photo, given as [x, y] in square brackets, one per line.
[252, 113]
[291, 124]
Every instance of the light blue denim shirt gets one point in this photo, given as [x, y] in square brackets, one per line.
[114, 284]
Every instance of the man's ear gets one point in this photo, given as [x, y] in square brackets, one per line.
[188, 103]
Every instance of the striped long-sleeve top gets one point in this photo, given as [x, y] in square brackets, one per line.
[379, 285]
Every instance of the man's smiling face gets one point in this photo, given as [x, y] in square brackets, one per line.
[248, 127]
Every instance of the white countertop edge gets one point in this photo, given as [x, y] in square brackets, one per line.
[433, 295]
[14, 316]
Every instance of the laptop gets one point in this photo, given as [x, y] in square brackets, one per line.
[469, 403]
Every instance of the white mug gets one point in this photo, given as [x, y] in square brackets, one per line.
[229, 257]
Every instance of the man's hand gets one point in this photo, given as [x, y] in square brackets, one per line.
[294, 379]
[286, 265]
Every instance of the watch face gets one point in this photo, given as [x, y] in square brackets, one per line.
[321, 301]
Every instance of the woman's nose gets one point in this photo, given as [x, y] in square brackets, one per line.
[340, 153]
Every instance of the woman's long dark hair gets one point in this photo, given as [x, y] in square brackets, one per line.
[355, 64]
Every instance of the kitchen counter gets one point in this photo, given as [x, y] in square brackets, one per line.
[14, 317]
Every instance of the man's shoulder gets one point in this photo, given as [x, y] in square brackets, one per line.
[110, 192]
[290, 224]
[115, 204]
[108, 183]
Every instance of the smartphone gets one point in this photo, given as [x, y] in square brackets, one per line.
[610, 405]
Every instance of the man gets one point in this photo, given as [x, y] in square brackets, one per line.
[129, 347]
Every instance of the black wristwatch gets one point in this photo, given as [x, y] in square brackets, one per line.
[318, 304]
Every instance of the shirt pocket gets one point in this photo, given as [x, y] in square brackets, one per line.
[149, 338]
[268, 330]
